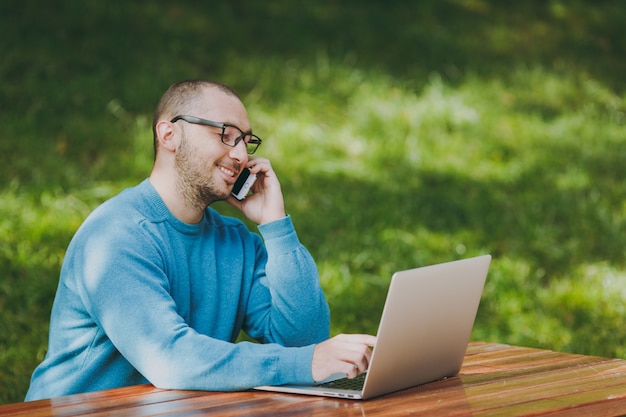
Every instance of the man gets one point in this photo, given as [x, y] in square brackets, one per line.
[156, 286]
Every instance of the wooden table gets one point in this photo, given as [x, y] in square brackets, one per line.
[495, 380]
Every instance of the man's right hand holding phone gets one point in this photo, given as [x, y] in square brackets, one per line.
[266, 203]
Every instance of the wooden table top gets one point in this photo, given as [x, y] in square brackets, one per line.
[495, 380]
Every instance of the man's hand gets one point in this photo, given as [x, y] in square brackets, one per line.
[343, 354]
[266, 203]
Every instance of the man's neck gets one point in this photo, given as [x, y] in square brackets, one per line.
[167, 188]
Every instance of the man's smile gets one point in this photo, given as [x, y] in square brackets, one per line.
[229, 172]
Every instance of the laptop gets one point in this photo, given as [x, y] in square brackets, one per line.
[423, 333]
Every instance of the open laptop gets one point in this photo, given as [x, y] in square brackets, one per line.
[423, 334]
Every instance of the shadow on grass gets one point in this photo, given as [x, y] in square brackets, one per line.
[538, 215]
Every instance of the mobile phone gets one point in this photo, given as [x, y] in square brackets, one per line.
[243, 184]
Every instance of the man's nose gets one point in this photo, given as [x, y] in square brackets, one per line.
[239, 152]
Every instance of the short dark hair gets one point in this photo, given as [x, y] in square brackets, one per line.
[181, 98]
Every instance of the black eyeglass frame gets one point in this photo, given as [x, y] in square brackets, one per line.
[251, 145]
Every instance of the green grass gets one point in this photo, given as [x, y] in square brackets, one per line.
[403, 135]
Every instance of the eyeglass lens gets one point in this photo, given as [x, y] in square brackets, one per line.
[232, 135]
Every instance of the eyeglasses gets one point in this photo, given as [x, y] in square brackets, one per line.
[231, 135]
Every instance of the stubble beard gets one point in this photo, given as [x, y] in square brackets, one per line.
[198, 190]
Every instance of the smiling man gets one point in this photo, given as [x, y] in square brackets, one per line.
[156, 285]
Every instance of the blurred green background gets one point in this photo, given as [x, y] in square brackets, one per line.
[404, 134]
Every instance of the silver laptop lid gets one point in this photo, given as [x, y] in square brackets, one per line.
[426, 324]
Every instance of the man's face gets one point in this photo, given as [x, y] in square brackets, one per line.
[206, 167]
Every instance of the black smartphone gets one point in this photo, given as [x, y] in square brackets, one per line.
[243, 184]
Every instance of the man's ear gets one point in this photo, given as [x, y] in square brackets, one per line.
[166, 136]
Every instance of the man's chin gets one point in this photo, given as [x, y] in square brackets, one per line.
[211, 196]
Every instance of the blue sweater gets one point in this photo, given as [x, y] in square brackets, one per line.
[144, 297]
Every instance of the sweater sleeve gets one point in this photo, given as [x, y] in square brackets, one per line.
[127, 293]
[296, 312]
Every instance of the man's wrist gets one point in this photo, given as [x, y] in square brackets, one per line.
[279, 235]
[272, 218]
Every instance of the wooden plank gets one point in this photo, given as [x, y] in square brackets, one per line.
[235, 404]
[601, 402]
[85, 403]
[551, 390]
[486, 352]
[614, 407]
[475, 375]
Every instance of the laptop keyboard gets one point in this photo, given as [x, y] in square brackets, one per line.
[355, 384]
